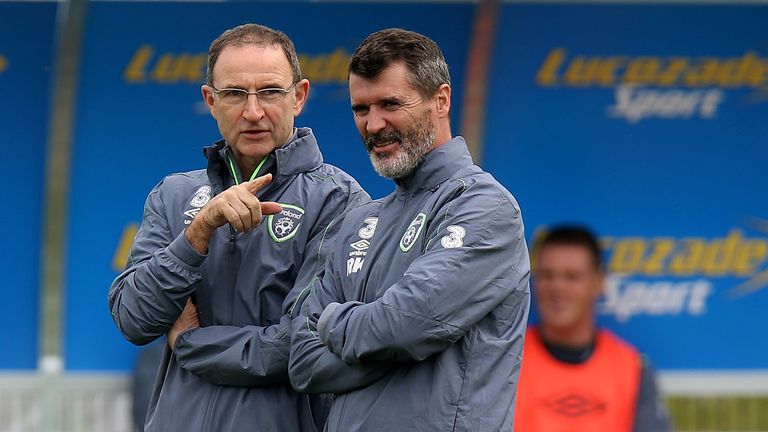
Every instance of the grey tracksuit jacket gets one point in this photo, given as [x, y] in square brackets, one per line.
[231, 374]
[418, 321]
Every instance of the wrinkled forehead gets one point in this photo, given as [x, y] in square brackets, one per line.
[253, 60]
[393, 80]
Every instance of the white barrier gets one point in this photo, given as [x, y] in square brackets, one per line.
[32, 402]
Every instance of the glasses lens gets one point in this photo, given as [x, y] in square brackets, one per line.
[271, 95]
[233, 96]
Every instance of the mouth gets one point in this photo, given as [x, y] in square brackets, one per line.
[384, 141]
[254, 133]
[557, 304]
[384, 146]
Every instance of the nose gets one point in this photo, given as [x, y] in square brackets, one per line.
[375, 121]
[252, 111]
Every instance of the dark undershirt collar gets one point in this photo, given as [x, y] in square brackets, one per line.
[568, 354]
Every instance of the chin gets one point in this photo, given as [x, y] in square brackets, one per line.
[257, 148]
[558, 320]
[381, 156]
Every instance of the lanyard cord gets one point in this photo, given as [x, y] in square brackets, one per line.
[255, 172]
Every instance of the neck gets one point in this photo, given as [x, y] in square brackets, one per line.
[247, 167]
[578, 336]
[442, 136]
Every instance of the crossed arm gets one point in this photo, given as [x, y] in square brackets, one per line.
[464, 273]
[148, 298]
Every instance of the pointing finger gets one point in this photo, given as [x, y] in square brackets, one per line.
[270, 208]
[258, 183]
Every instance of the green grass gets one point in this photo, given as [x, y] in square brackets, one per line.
[719, 413]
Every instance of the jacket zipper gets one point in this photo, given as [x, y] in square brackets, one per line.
[236, 177]
[232, 237]
[207, 418]
[341, 412]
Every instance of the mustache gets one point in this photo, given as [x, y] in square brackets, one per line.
[382, 137]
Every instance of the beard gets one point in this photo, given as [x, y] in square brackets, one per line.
[414, 144]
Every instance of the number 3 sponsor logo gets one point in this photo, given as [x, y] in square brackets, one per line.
[455, 237]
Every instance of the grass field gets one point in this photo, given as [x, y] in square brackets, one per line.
[719, 413]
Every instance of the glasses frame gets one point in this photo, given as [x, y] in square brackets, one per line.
[256, 93]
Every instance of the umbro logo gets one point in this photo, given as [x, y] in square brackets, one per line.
[361, 245]
[191, 213]
[574, 403]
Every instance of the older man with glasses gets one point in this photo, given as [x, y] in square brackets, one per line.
[219, 251]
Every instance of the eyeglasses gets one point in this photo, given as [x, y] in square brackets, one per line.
[265, 96]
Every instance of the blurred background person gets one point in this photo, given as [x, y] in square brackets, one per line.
[576, 376]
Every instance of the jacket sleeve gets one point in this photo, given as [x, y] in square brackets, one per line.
[247, 356]
[255, 355]
[312, 367]
[475, 258]
[651, 414]
[162, 271]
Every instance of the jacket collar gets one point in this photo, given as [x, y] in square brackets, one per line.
[300, 154]
[438, 166]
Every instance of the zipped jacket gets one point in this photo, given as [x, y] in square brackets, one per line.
[419, 319]
[231, 374]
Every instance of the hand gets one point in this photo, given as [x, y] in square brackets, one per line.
[237, 205]
[186, 321]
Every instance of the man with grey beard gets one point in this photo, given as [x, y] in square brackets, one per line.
[417, 321]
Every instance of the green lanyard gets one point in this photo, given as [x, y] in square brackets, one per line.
[255, 172]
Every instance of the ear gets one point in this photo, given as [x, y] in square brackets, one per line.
[208, 96]
[443, 98]
[301, 95]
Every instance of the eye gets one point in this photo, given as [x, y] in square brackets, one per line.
[270, 94]
[359, 110]
[390, 105]
[232, 94]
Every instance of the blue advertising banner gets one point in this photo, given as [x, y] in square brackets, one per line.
[140, 116]
[647, 122]
[25, 72]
